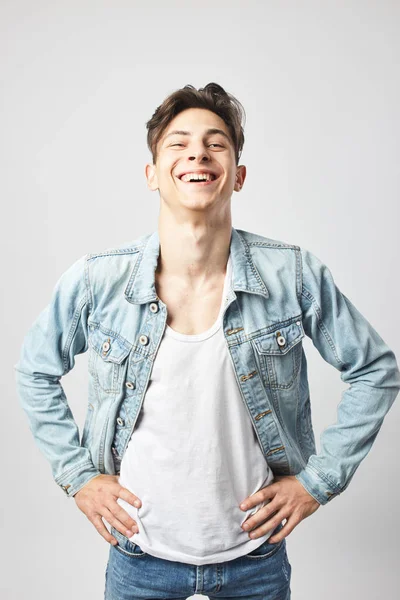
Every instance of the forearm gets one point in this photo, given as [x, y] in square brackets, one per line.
[48, 353]
[345, 339]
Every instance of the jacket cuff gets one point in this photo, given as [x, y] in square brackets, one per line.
[74, 479]
[317, 485]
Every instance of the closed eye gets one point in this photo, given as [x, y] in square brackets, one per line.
[209, 145]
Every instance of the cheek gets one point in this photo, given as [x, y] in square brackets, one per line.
[165, 179]
[231, 179]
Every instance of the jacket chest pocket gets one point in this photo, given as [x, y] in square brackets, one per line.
[108, 354]
[278, 353]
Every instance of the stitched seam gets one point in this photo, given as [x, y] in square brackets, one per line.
[321, 324]
[114, 252]
[251, 263]
[71, 471]
[110, 332]
[325, 478]
[263, 556]
[71, 334]
[274, 327]
[119, 548]
[273, 245]
[299, 279]
[88, 287]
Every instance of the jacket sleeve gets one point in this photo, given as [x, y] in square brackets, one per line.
[345, 339]
[56, 336]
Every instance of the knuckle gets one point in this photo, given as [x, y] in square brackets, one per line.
[92, 517]
[288, 528]
[131, 523]
[124, 517]
[297, 520]
[268, 518]
[99, 525]
[272, 540]
[112, 520]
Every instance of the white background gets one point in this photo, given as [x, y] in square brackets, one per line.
[320, 85]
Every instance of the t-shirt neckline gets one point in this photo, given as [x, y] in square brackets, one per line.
[199, 337]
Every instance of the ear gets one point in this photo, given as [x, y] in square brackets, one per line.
[240, 177]
[151, 176]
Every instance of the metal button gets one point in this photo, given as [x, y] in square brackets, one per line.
[106, 346]
[130, 385]
[120, 421]
[144, 339]
[298, 323]
[154, 307]
[281, 340]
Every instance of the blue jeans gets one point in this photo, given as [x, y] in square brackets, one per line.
[131, 574]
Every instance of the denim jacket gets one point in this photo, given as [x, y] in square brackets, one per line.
[106, 303]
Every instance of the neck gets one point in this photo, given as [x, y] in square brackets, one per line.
[194, 253]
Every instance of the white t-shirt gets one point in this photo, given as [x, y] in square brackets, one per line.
[194, 455]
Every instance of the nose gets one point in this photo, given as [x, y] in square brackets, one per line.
[201, 155]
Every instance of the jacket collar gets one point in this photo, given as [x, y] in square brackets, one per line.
[245, 277]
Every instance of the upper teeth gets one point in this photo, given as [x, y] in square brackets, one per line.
[198, 176]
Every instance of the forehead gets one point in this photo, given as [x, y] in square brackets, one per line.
[196, 121]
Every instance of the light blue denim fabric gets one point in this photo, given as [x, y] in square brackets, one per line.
[132, 574]
[106, 303]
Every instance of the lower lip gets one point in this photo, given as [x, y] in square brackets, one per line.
[199, 183]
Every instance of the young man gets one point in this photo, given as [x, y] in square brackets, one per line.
[198, 447]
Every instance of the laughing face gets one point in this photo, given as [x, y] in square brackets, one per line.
[196, 165]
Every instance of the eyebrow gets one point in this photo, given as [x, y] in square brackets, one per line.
[211, 131]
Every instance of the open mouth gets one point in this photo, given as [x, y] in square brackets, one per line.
[211, 178]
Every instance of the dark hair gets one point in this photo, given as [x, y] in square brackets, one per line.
[211, 97]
